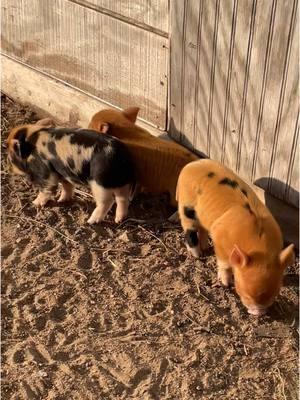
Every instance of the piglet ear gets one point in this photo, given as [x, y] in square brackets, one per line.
[46, 122]
[16, 146]
[287, 256]
[21, 147]
[104, 128]
[131, 113]
[237, 257]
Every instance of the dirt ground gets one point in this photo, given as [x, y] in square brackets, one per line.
[122, 312]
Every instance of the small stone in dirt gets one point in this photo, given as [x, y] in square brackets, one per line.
[43, 374]
[125, 237]
[145, 249]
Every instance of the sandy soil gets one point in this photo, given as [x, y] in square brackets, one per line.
[122, 312]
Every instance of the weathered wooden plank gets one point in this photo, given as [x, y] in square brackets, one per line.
[178, 20]
[275, 92]
[292, 186]
[50, 97]
[150, 13]
[285, 145]
[245, 21]
[225, 34]
[119, 63]
[205, 76]
[237, 98]
[259, 63]
[190, 57]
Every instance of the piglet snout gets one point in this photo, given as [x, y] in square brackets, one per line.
[258, 312]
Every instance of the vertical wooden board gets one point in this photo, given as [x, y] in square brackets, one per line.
[292, 194]
[178, 23]
[204, 76]
[190, 56]
[275, 91]
[286, 142]
[292, 184]
[10, 13]
[119, 63]
[245, 17]
[249, 130]
[154, 13]
[223, 47]
[245, 107]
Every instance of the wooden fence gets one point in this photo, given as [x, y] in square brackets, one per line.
[114, 50]
[234, 92]
[232, 89]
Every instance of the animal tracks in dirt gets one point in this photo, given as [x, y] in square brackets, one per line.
[119, 312]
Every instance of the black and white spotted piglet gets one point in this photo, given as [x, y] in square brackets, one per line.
[70, 156]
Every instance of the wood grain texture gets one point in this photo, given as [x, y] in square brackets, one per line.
[292, 182]
[119, 63]
[241, 54]
[254, 89]
[189, 77]
[66, 105]
[178, 21]
[223, 58]
[236, 98]
[150, 13]
[285, 132]
[206, 73]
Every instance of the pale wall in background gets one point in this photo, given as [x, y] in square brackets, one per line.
[236, 65]
[231, 92]
[118, 54]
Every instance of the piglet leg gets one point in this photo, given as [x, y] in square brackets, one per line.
[48, 188]
[122, 196]
[191, 227]
[104, 201]
[203, 238]
[192, 242]
[66, 193]
[224, 273]
[42, 199]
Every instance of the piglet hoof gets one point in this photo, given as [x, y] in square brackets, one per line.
[38, 202]
[92, 220]
[119, 218]
[64, 198]
[195, 251]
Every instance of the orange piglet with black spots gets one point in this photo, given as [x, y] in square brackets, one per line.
[247, 240]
